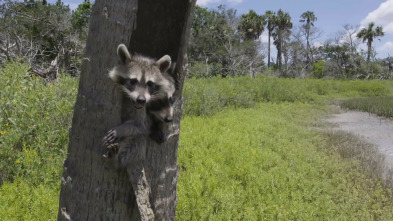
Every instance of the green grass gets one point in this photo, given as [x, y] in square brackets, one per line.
[204, 97]
[264, 163]
[381, 106]
[236, 163]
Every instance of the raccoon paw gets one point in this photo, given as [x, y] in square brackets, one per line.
[111, 150]
[158, 136]
[110, 137]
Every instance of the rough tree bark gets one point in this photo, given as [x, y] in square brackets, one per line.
[91, 189]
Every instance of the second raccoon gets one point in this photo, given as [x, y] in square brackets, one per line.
[160, 114]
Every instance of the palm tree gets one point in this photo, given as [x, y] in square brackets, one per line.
[252, 25]
[269, 18]
[368, 35]
[309, 18]
[283, 24]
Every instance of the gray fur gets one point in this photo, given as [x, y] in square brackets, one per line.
[128, 139]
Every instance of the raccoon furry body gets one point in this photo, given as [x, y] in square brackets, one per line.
[145, 83]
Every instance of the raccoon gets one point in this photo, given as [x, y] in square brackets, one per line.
[142, 79]
[160, 114]
[159, 111]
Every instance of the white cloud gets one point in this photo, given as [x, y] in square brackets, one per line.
[235, 1]
[317, 44]
[387, 47]
[206, 2]
[383, 15]
[264, 38]
[363, 47]
[388, 28]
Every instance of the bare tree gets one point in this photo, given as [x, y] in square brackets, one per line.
[349, 37]
[41, 34]
[91, 189]
[297, 53]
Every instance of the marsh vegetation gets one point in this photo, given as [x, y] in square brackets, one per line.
[244, 154]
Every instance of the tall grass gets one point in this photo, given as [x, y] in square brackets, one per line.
[381, 106]
[203, 97]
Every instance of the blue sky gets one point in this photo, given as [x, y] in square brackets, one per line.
[331, 14]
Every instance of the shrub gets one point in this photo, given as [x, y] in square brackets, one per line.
[22, 201]
[318, 71]
[34, 122]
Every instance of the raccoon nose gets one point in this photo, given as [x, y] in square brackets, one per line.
[168, 119]
[141, 100]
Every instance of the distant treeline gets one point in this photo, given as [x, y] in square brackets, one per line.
[224, 43]
[51, 38]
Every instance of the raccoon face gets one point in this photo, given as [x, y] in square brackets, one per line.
[139, 75]
[161, 105]
[161, 109]
[136, 90]
[159, 82]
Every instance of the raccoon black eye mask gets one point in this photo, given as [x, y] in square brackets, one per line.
[141, 77]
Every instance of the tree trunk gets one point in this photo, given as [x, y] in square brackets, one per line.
[369, 49]
[308, 44]
[279, 48]
[91, 189]
[268, 50]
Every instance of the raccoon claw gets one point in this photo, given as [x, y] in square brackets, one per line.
[158, 136]
[111, 150]
[110, 138]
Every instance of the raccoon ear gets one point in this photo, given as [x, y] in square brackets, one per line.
[113, 75]
[123, 53]
[164, 63]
